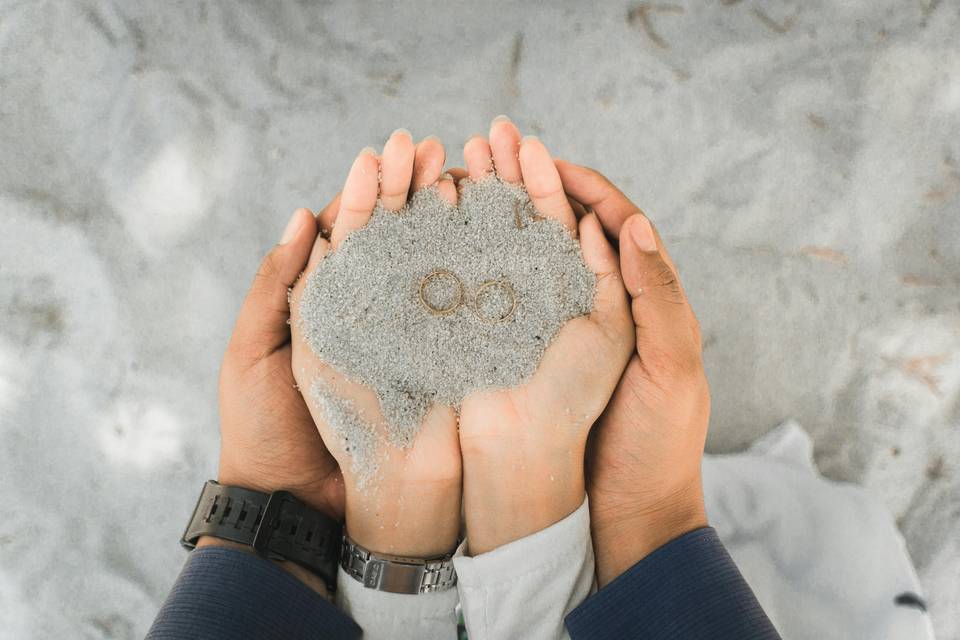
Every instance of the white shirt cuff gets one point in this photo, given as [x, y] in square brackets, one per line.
[524, 589]
[395, 615]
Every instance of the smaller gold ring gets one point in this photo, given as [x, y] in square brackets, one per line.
[430, 277]
[506, 286]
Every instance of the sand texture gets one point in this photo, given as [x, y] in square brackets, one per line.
[801, 160]
[355, 432]
[430, 303]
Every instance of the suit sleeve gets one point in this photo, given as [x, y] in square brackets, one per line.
[689, 588]
[226, 593]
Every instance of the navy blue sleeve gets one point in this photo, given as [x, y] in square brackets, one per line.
[226, 593]
[689, 588]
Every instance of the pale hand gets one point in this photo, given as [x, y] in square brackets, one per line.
[523, 448]
[411, 505]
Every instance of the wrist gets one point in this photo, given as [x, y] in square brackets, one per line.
[315, 495]
[625, 533]
[417, 521]
[300, 573]
[510, 494]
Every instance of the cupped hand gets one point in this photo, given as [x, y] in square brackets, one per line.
[523, 448]
[645, 452]
[269, 440]
[399, 500]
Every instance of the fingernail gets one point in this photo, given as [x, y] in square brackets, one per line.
[402, 131]
[369, 150]
[642, 233]
[501, 118]
[433, 137]
[296, 222]
[446, 176]
[475, 135]
[529, 139]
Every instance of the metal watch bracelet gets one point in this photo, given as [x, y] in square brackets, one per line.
[396, 574]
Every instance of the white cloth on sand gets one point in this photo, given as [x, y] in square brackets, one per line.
[824, 558]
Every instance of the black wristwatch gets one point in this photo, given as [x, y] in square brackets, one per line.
[276, 525]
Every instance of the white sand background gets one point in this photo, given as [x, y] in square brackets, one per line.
[802, 160]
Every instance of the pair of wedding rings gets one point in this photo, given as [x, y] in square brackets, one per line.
[486, 288]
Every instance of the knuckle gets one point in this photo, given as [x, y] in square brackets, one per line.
[269, 269]
[680, 367]
[598, 175]
[664, 283]
[237, 358]
[553, 193]
[242, 354]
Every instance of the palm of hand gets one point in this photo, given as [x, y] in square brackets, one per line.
[433, 455]
[580, 368]
[404, 501]
[565, 395]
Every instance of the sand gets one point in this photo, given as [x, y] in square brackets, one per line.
[805, 180]
[430, 303]
[359, 439]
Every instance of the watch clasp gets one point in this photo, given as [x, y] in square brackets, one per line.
[401, 578]
[269, 520]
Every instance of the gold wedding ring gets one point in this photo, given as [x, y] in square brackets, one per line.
[439, 274]
[487, 286]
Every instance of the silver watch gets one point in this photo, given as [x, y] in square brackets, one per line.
[396, 574]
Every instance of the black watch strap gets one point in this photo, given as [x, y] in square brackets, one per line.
[276, 525]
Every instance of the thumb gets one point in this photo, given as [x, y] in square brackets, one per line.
[667, 331]
[262, 326]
